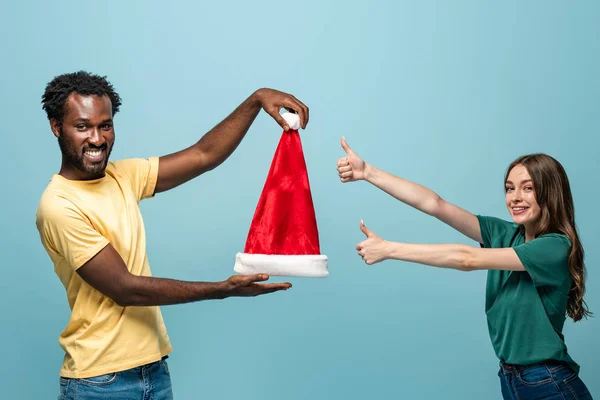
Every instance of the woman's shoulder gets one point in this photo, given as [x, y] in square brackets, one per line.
[554, 238]
[496, 232]
[496, 222]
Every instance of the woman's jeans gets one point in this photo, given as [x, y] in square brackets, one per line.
[150, 381]
[547, 380]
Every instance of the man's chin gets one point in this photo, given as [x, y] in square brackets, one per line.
[96, 171]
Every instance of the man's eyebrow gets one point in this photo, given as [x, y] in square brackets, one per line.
[88, 120]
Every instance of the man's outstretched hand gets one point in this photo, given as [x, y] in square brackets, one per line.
[272, 101]
[247, 286]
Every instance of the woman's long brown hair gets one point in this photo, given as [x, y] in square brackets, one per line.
[553, 195]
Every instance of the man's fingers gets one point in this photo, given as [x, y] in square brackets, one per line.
[346, 168]
[276, 286]
[299, 108]
[345, 174]
[277, 117]
[344, 180]
[265, 288]
[305, 112]
[257, 278]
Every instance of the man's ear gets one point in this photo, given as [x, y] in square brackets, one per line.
[55, 126]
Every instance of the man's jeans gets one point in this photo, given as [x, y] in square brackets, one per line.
[148, 382]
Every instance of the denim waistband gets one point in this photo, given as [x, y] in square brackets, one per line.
[520, 367]
[161, 359]
[151, 363]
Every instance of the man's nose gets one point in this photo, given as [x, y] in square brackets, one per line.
[96, 137]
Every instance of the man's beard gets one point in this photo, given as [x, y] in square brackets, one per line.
[75, 158]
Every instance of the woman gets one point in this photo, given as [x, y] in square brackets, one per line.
[536, 270]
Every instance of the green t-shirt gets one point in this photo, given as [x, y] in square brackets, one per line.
[526, 310]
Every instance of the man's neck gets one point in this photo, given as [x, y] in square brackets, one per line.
[71, 173]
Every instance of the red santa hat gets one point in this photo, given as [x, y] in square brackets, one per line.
[283, 238]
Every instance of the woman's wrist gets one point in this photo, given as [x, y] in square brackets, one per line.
[390, 249]
[369, 172]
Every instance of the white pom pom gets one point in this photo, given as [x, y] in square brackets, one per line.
[292, 119]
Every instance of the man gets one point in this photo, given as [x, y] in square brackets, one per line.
[90, 224]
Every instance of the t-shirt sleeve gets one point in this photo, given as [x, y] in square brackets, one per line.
[491, 227]
[142, 173]
[545, 258]
[65, 232]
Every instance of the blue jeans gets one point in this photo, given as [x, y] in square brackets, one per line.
[548, 380]
[147, 382]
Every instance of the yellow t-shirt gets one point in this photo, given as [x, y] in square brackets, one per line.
[77, 219]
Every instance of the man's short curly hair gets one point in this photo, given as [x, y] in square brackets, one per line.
[58, 90]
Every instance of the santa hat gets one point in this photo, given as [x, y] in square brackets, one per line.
[283, 238]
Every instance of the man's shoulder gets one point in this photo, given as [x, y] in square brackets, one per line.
[53, 199]
[126, 164]
[131, 168]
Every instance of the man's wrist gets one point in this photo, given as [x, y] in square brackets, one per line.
[256, 98]
[223, 290]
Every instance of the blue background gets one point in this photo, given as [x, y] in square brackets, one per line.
[442, 93]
